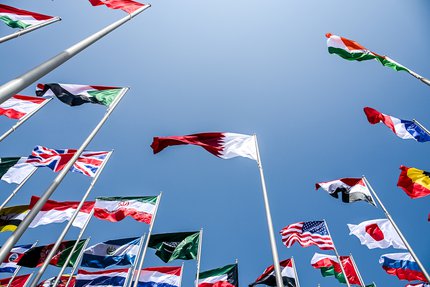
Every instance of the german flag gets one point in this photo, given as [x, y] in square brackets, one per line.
[415, 182]
[11, 217]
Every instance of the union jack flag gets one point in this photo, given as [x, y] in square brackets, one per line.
[88, 162]
[306, 234]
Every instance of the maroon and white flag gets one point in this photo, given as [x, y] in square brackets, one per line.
[19, 106]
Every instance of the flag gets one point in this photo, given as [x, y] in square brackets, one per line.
[61, 283]
[76, 95]
[19, 106]
[377, 233]
[223, 145]
[423, 284]
[415, 182]
[329, 266]
[15, 169]
[402, 265]
[404, 129]
[111, 252]
[128, 6]
[58, 212]
[63, 252]
[269, 278]
[226, 276]
[18, 281]
[179, 245]
[105, 278]
[9, 264]
[351, 189]
[160, 277]
[306, 234]
[11, 217]
[18, 18]
[88, 163]
[114, 209]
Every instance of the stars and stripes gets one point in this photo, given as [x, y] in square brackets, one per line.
[307, 233]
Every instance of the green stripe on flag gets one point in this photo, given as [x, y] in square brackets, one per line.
[217, 272]
[105, 97]
[6, 163]
[14, 23]
[351, 56]
[329, 271]
[60, 259]
[146, 199]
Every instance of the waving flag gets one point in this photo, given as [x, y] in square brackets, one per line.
[15, 169]
[226, 276]
[62, 283]
[105, 278]
[329, 266]
[9, 265]
[179, 245]
[415, 182]
[18, 18]
[351, 189]
[306, 234]
[128, 6]
[18, 281]
[404, 129]
[160, 277]
[423, 284]
[223, 145]
[18, 106]
[11, 217]
[268, 277]
[402, 265]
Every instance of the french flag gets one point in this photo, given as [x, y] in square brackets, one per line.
[402, 128]
[402, 265]
[160, 277]
[107, 278]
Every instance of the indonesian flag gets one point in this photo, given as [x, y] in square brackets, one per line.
[377, 233]
[415, 182]
[330, 266]
[223, 145]
[18, 18]
[269, 278]
[404, 129]
[402, 265]
[226, 276]
[18, 281]
[58, 212]
[128, 6]
[18, 106]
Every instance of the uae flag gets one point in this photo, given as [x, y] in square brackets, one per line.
[351, 189]
[223, 145]
[18, 281]
[15, 169]
[19, 106]
[269, 278]
[140, 208]
[18, 18]
[58, 212]
[329, 266]
[61, 283]
[179, 245]
[75, 95]
[226, 276]
[415, 182]
[11, 217]
[128, 6]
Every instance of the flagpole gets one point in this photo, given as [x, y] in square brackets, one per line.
[199, 254]
[136, 260]
[182, 272]
[337, 255]
[29, 29]
[419, 77]
[15, 191]
[24, 119]
[14, 86]
[28, 280]
[60, 239]
[142, 258]
[279, 281]
[387, 214]
[16, 235]
[19, 268]
[78, 260]
[295, 271]
[421, 126]
[356, 270]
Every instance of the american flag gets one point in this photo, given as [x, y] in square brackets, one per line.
[88, 162]
[306, 234]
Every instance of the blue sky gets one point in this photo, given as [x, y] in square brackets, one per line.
[237, 66]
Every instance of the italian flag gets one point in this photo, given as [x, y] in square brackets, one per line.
[329, 266]
[18, 106]
[226, 276]
[15, 169]
[115, 209]
[18, 18]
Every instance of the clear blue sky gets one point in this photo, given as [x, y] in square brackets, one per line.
[237, 66]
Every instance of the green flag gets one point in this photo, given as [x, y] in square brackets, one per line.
[371, 285]
[179, 245]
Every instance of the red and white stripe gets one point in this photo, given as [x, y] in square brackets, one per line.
[294, 233]
[18, 106]
[27, 17]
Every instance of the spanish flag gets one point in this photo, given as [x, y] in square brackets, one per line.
[11, 217]
[415, 182]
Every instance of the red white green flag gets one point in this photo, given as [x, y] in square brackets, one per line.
[18, 18]
[226, 276]
[329, 266]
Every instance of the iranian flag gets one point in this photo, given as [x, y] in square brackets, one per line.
[18, 18]
[15, 169]
[19, 106]
[329, 266]
[226, 276]
[115, 209]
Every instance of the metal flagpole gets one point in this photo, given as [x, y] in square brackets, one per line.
[78, 260]
[10, 242]
[23, 120]
[28, 280]
[199, 253]
[15, 191]
[19, 268]
[419, 77]
[142, 257]
[60, 239]
[421, 126]
[182, 272]
[29, 29]
[295, 271]
[14, 86]
[338, 257]
[356, 270]
[411, 251]
[136, 260]
[279, 281]
[128, 276]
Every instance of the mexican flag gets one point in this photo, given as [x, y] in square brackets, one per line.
[179, 245]
[18, 18]
[226, 276]
[15, 169]
[19, 106]
[329, 266]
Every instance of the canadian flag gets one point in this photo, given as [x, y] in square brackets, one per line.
[377, 233]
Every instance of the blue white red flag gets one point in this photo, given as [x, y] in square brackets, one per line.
[9, 265]
[402, 265]
[105, 278]
[306, 234]
[160, 277]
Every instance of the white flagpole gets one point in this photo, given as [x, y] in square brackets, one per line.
[78, 260]
[15, 191]
[129, 274]
[60, 239]
[337, 255]
[279, 281]
[142, 257]
[136, 261]
[199, 254]
[419, 77]
[16, 235]
[295, 271]
[29, 29]
[387, 214]
[28, 280]
[182, 272]
[19, 268]
[24, 119]
[421, 126]
[356, 270]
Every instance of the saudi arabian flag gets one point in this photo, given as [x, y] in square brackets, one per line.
[15, 169]
[171, 246]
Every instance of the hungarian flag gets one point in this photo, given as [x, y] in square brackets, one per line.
[114, 209]
[61, 283]
[351, 189]
[11, 217]
[18, 18]
[58, 212]
[128, 6]
[223, 145]
[9, 265]
[18, 281]
[415, 182]
[329, 266]
[15, 169]
[76, 95]
[160, 277]
[19, 106]
[402, 265]
[226, 276]
[179, 245]
[404, 129]
[269, 278]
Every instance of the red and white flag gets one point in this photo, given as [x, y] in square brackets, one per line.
[18, 106]
[18, 281]
[128, 6]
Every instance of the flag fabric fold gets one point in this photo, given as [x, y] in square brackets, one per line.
[160, 277]
[9, 265]
[306, 234]
[127, 6]
[413, 181]
[179, 245]
[351, 189]
[329, 266]
[15, 169]
[18, 281]
[268, 277]
[402, 265]
[19, 106]
[61, 283]
[105, 278]
[11, 217]
[18, 18]
[226, 276]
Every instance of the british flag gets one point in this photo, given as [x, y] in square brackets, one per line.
[88, 162]
[306, 234]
